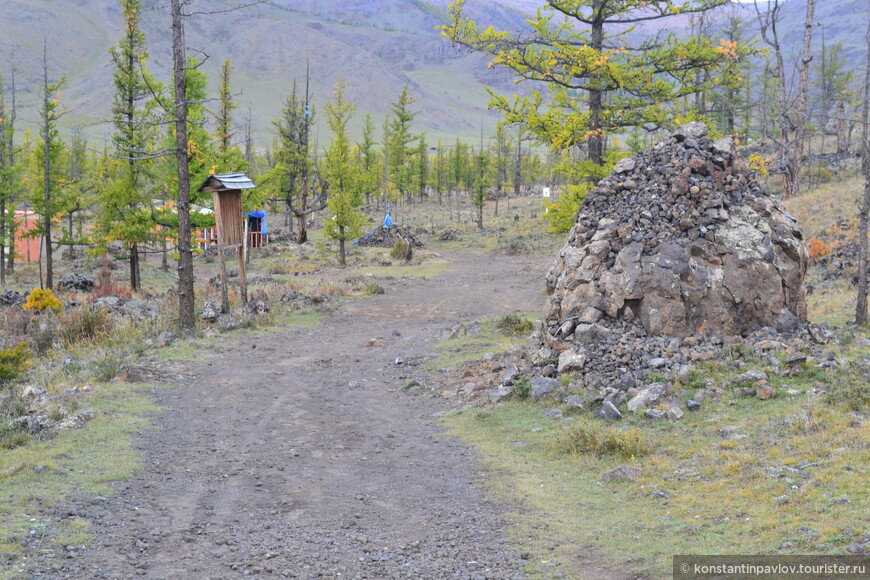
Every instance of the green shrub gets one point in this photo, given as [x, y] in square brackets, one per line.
[13, 361]
[585, 437]
[521, 388]
[85, 324]
[108, 366]
[44, 333]
[850, 390]
[514, 325]
[371, 288]
[40, 300]
[399, 251]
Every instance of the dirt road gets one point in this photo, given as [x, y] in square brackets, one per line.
[300, 456]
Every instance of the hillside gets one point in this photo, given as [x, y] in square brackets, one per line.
[375, 46]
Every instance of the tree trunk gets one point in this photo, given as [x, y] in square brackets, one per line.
[864, 213]
[164, 258]
[342, 258]
[186, 299]
[3, 236]
[794, 174]
[135, 282]
[842, 129]
[596, 96]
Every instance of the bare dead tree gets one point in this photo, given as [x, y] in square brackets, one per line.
[186, 304]
[792, 117]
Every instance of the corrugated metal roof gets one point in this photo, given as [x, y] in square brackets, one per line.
[230, 181]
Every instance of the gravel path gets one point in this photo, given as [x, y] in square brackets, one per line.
[300, 456]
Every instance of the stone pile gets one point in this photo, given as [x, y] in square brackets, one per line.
[676, 249]
[386, 237]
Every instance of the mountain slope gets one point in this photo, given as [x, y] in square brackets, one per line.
[376, 47]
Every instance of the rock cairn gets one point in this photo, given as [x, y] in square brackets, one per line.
[386, 237]
[678, 247]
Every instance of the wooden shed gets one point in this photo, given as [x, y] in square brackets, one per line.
[226, 190]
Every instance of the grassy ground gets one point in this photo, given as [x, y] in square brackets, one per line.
[36, 477]
[739, 476]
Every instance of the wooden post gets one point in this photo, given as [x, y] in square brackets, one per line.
[225, 298]
[243, 251]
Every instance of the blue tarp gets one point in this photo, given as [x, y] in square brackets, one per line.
[261, 215]
[388, 220]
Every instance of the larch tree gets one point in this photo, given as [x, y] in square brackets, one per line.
[345, 198]
[580, 47]
[400, 140]
[293, 166]
[224, 118]
[421, 166]
[480, 179]
[229, 156]
[8, 175]
[48, 153]
[833, 82]
[368, 161]
[125, 203]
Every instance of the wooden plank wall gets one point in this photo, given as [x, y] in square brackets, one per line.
[228, 212]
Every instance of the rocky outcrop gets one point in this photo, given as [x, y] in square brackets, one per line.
[682, 241]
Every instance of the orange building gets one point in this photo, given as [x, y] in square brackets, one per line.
[26, 248]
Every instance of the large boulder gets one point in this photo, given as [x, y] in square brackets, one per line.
[682, 240]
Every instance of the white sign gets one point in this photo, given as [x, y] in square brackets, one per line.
[546, 192]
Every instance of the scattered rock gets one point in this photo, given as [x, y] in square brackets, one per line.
[570, 361]
[622, 473]
[541, 386]
[750, 376]
[11, 298]
[508, 376]
[693, 405]
[647, 397]
[764, 391]
[574, 402]
[210, 311]
[609, 411]
[259, 302]
[500, 394]
[76, 282]
[675, 413]
[655, 414]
